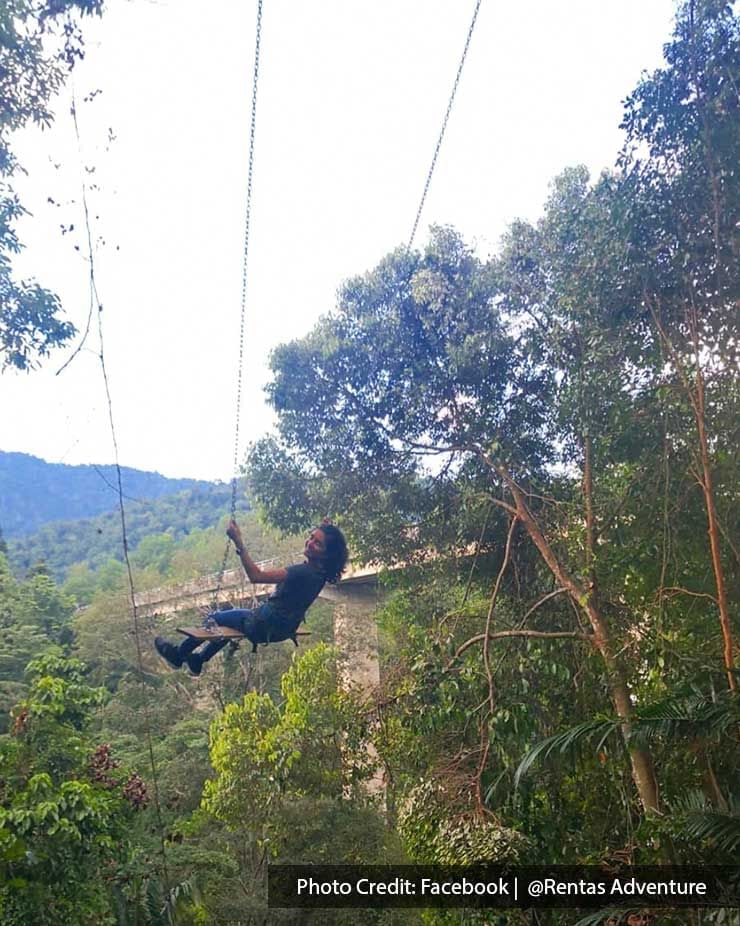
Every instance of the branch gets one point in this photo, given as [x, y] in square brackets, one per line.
[558, 591]
[486, 746]
[678, 590]
[425, 450]
[477, 551]
[536, 320]
[409, 445]
[505, 506]
[728, 540]
[610, 519]
[93, 289]
[672, 351]
[492, 605]
[534, 634]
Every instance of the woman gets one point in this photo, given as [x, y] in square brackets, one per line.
[280, 616]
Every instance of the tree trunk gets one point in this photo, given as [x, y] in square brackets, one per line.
[643, 773]
[588, 500]
[713, 531]
[642, 766]
[697, 399]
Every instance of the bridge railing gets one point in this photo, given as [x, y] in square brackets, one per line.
[287, 559]
[210, 581]
[204, 587]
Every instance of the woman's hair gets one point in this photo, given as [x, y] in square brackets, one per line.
[336, 556]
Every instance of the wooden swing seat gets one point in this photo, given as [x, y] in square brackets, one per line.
[228, 633]
[200, 633]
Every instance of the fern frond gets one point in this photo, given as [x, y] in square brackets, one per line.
[723, 829]
[686, 717]
[152, 901]
[693, 801]
[571, 740]
[181, 893]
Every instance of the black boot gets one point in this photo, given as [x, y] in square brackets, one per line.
[168, 652]
[194, 662]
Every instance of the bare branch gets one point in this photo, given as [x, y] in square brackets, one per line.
[728, 540]
[558, 591]
[678, 590]
[477, 551]
[678, 366]
[492, 605]
[486, 745]
[533, 634]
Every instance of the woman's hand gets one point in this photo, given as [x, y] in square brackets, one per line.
[233, 533]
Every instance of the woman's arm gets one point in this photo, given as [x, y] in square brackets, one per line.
[253, 571]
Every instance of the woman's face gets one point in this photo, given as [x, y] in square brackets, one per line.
[315, 547]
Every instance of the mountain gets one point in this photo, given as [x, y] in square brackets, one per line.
[34, 492]
[97, 540]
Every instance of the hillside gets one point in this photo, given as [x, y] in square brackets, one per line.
[96, 540]
[34, 492]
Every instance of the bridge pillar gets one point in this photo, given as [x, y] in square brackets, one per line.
[356, 638]
[356, 633]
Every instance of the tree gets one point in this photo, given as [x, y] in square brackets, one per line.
[65, 807]
[422, 361]
[683, 202]
[40, 40]
[283, 769]
[544, 383]
[35, 618]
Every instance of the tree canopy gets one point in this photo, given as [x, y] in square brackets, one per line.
[580, 383]
[40, 41]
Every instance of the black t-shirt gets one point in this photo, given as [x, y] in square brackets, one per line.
[298, 591]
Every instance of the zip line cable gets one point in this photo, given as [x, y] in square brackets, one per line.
[245, 260]
[95, 301]
[444, 126]
[407, 308]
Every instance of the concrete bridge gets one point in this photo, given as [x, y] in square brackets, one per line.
[235, 590]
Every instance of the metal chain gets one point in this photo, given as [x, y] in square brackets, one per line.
[247, 223]
[444, 127]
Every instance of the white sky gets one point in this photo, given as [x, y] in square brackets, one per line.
[351, 99]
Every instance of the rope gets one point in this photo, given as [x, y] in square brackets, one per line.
[444, 126]
[95, 300]
[245, 260]
[408, 311]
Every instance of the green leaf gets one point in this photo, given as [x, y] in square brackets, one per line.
[571, 740]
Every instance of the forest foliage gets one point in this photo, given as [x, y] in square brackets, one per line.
[569, 408]
[544, 442]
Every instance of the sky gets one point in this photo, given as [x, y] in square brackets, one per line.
[351, 98]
